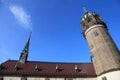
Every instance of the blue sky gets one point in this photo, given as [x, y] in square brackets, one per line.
[55, 25]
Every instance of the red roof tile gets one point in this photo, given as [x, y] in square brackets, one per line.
[48, 69]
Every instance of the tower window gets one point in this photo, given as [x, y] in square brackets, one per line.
[104, 78]
[96, 34]
[91, 58]
[91, 47]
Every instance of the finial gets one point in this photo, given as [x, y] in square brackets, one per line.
[84, 9]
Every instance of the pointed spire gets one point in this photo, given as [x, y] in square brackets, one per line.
[84, 9]
[25, 51]
[26, 48]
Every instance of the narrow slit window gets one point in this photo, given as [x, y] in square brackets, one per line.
[96, 34]
[91, 47]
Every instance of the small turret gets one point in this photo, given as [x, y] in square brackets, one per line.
[89, 19]
[105, 54]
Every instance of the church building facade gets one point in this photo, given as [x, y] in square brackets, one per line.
[105, 58]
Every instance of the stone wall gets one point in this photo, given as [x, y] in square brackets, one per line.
[105, 54]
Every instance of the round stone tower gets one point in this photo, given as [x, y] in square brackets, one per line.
[104, 53]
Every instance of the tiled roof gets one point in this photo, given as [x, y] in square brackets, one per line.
[48, 69]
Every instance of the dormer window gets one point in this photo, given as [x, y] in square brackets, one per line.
[58, 69]
[36, 68]
[77, 69]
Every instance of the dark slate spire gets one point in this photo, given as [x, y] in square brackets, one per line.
[25, 51]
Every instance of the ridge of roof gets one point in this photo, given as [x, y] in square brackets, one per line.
[52, 62]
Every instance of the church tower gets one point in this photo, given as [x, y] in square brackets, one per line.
[104, 53]
[24, 54]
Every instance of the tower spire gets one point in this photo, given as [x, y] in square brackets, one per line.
[25, 51]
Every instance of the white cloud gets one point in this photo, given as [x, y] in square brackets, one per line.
[21, 16]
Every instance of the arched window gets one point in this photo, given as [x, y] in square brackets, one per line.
[96, 33]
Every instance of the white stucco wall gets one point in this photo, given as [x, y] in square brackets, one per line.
[40, 78]
[115, 75]
[86, 79]
[11, 78]
[35, 78]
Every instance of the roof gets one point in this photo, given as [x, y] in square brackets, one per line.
[48, 69]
